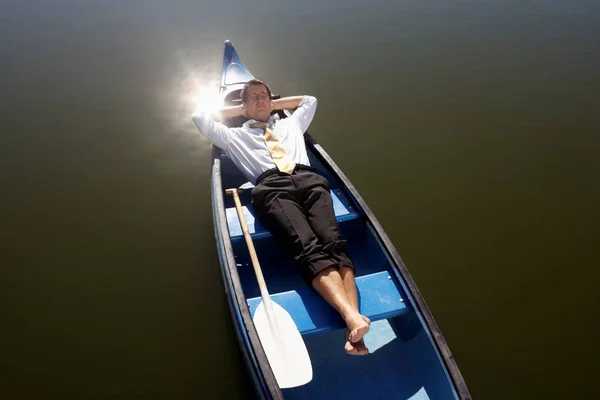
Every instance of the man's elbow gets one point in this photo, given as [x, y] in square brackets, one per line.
[203, 122]
[200, 121]
[309, 101]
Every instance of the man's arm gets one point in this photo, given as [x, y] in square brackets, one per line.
[216, 132]
[286, 103]
[232, 111]
[306, 107]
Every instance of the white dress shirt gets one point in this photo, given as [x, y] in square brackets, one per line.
[246, 146]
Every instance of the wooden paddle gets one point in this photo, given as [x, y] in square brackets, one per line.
[280, 338]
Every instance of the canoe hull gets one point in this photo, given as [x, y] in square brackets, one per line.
[410, 356]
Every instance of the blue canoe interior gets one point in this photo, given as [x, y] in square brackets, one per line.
[407, 360]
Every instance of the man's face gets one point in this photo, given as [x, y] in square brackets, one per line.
[258, 105]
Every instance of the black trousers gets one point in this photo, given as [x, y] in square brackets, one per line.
[298, 210]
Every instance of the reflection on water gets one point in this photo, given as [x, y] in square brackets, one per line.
[481, 164]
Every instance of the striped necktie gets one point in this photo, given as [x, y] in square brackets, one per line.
[283, 162]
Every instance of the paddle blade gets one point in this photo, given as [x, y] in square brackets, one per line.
[283, 345]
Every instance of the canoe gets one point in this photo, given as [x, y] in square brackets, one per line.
[409, 356]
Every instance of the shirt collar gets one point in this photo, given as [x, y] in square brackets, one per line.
[272, 119]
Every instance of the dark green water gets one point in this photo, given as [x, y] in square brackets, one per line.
[470, 128]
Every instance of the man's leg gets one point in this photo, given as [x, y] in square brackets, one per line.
[329, 284]
[277, 208]
[286, 219]
[279, 212]
[318, 206]
[347, 275]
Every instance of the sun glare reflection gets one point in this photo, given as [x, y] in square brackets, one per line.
[203, 96]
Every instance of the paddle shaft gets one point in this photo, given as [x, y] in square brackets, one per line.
[264, 293]
[255, 264]
[279, 335]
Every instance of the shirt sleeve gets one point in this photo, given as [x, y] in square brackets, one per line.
[215, 131]
[305, 112]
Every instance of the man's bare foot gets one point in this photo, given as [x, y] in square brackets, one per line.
[358, 327]
[355, 349]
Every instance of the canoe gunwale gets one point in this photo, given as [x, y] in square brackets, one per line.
[399, 268]
[254, 354]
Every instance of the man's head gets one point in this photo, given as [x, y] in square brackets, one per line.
[256, 100]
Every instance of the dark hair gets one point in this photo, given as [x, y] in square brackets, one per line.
[252, 82]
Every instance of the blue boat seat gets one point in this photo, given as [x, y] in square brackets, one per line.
[378, 295]
[344, 211]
